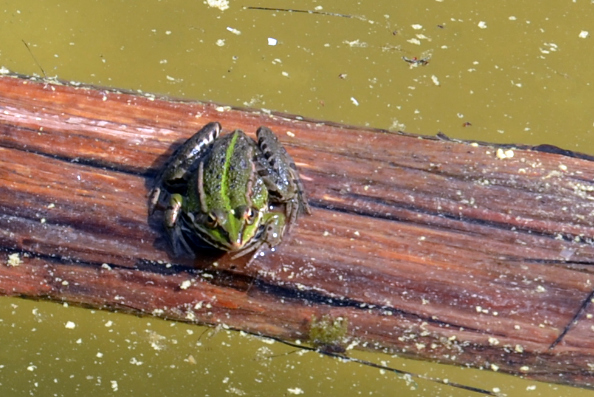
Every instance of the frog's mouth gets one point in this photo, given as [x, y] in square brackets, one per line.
[253, 244]
[243, 241]
[224, 240]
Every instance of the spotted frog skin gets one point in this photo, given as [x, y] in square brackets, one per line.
[218, 190]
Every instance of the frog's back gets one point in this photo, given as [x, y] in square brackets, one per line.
[230, 175]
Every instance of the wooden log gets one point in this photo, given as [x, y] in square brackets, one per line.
[463, 253]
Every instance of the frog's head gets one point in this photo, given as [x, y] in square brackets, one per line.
[231, 230]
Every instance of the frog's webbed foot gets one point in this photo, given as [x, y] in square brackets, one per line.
[178, 242]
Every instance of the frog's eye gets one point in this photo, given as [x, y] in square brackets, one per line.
[250, 215]
[211, 220]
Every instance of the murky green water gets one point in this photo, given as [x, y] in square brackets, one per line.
[516, 71]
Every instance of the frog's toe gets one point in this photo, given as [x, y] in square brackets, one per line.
[153, 201]
[303, 203]
[291, 212]
[179, 244]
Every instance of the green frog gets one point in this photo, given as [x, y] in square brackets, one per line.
[219, 190]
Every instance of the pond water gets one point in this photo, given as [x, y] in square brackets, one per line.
[506, 71]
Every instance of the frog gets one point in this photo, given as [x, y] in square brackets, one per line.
[225, 192]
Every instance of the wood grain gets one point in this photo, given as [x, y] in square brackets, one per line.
[430, 248]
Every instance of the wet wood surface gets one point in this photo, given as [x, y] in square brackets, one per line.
[464, 253]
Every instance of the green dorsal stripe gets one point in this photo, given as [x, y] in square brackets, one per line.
[225, 176]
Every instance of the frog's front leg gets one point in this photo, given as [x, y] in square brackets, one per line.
[173, 210]
[173, 225]
[274, 229]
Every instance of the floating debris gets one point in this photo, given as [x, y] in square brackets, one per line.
[417, 61]
[316, 12]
